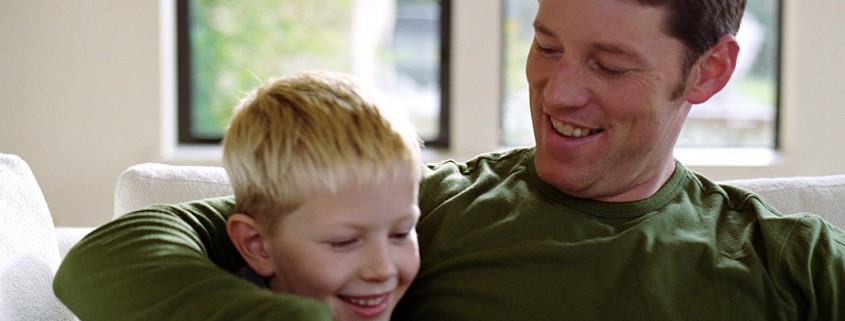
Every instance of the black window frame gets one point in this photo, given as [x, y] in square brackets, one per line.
[184, 70]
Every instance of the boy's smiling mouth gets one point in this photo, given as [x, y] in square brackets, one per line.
[367, 307]
[367, 301]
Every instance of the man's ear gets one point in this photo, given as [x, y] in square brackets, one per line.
[714, 70]
[248, 239]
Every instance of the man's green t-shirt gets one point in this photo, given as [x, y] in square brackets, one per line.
[499, 243]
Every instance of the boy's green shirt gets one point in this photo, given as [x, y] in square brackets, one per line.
[498, 244]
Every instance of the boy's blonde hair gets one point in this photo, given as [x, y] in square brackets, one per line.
[312, 130]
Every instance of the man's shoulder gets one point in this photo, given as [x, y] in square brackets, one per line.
[494, 160]
[733, 197]
[482, 174]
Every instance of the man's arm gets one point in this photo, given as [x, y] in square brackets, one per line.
[814, 264]
[169, 263]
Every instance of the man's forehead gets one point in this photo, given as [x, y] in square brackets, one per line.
[605, 10]
[616, 26]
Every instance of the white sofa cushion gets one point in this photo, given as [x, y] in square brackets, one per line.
[29, 253]
[146, 184]
[822, 195]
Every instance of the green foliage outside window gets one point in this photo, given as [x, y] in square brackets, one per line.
[236, 45]
[239, 45]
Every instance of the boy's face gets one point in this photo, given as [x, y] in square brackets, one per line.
[355, 250]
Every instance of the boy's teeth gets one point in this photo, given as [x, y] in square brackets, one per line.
[569, 130]
[367, 302]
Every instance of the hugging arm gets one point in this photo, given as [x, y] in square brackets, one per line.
[170, 263]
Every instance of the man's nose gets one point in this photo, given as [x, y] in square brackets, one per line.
[567, 85]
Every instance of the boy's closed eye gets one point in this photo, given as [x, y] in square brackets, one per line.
[402, 236]
[343, 244]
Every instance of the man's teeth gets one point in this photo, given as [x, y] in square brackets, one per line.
[367, 302]
[570, 131]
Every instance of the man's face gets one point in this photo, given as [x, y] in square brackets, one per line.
[601, 75]
[354, 249]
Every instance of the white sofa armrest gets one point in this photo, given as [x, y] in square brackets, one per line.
[28, 253]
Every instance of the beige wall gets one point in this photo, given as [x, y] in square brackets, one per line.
[80, 94]
[79, 97]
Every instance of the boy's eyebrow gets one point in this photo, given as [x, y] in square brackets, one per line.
[404, 217]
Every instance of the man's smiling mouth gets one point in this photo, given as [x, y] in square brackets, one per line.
[572, 131]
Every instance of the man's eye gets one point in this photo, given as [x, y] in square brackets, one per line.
[544, 50]
[610, 71]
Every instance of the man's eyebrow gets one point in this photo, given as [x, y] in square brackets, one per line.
[622, 51]
[539, 28]
[604, 47]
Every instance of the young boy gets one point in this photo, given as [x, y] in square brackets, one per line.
[325, 183]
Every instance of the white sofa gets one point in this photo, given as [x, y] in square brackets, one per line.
[151, 183]
[31, 247]
[29, 255]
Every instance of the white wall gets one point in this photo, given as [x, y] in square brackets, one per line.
[80, 95]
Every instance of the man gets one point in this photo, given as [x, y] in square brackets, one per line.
[598, 221]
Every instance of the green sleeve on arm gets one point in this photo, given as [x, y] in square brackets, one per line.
[170, 263]
[814, 258]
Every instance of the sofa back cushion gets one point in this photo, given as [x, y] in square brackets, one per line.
[146, 184]
[822, 195]
[150, 183]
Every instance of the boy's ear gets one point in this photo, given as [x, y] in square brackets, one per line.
[248, 239]
[714, 70]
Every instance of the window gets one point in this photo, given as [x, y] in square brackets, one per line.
[226, 48]
[744, 114]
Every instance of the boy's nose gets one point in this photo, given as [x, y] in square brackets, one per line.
[379, 266]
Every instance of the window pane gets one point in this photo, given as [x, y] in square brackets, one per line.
[233, 46]
[742, 115]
